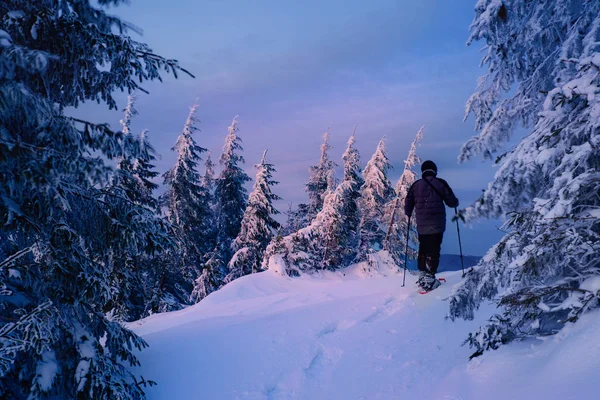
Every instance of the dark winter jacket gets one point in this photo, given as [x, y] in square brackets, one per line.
[429, 206]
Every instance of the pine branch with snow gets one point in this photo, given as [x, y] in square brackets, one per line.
[543, 272]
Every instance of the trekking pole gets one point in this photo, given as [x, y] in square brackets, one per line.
[462, 263]
[406, 252]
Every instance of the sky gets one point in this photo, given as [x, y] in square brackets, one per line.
[293, 69]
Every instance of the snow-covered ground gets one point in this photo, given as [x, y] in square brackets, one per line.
[349, 336]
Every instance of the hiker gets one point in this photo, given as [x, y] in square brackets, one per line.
[427, 197]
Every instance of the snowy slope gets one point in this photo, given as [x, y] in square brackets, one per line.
[351, 337]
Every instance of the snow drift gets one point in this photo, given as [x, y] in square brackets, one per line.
[351, 334]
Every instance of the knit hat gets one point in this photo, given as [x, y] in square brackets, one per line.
[429, 166]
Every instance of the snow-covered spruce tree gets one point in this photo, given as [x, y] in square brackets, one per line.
[350, 212]
[331, 239]
[316, 187]
[136, 174]
[230, 195]
[257, 226]
[317, 183]
[376, 192]
[325, 243]
[129, 197]
[188, 210]
[230, 204]
[543, 63]
[55, 340]
[397, 222]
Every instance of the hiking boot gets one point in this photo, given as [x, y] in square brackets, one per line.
[428, 282]
[422, 275]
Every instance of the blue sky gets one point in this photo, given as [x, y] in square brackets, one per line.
[291, 69]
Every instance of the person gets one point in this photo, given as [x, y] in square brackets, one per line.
[427, 197]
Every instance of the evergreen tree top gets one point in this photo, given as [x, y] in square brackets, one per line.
[325, 164]
[325, 147]
[188, 152]
[377, 189]
[185, 193]
[351, 158]
[407, 177]
[261, 192]
[378, 166]
[192, 120]
[230, 158]
[263, 160]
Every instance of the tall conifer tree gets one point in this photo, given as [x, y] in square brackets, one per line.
[376, 192]
[350, 212]
[58, 232]
[230, 204]
[187, 201]
[258, 225]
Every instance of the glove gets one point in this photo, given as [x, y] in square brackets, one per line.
[459, 215]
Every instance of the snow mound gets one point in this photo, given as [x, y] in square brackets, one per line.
[379, 264]
[277, 264]
[351, 335]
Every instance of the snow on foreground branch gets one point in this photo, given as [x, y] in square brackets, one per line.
[544, 273]
[58, 338]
